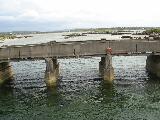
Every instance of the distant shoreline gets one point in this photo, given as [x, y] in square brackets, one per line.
[11, 37]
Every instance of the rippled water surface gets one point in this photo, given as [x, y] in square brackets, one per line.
[81, 93]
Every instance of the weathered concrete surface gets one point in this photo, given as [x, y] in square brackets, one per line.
[5, 72]
[80, 48]
[77, 48]
[153, 64]
[106, 68]
[102, 66]
[52, 71]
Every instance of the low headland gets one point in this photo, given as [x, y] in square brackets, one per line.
[150, 33]
[12, 36]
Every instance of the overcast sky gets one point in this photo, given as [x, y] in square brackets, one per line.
[48, 15]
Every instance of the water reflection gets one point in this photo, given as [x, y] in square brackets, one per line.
[6, 99]
[152, 89]
[6, 89]
[5, 73]
[80, 93]
[52, 96]
[107, 92]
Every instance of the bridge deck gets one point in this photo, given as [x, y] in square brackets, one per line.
[78, 48]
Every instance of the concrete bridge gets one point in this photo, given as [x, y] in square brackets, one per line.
[53, 50]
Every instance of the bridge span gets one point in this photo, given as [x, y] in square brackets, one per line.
[105, 49]
[77, 48]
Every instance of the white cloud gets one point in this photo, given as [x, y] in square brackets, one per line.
[29, 14]
[87, 13]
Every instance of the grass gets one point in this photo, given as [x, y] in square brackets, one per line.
[73, 35]
[152, 31]
[6, 36]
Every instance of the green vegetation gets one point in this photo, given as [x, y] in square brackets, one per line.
[6, 36]
[111, 29]
[152, 31]
[73, 35]
[99, 31]
[94, 30]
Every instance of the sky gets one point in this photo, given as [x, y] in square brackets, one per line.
[50, 15]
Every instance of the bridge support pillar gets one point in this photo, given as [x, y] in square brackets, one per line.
[153, 64]
[102, 65]
[5, 72]
[52, 71]
[106, 69]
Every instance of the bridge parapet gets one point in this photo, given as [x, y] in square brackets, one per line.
[77, 48]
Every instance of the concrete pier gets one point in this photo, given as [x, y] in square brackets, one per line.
[53, 50]
[102, 65]
[153, 64]
[106, 69]
[5, 72]
[52, 71]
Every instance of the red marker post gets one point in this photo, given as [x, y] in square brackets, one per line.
[108, 50]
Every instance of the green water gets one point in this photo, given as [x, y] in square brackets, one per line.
[81, 93]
